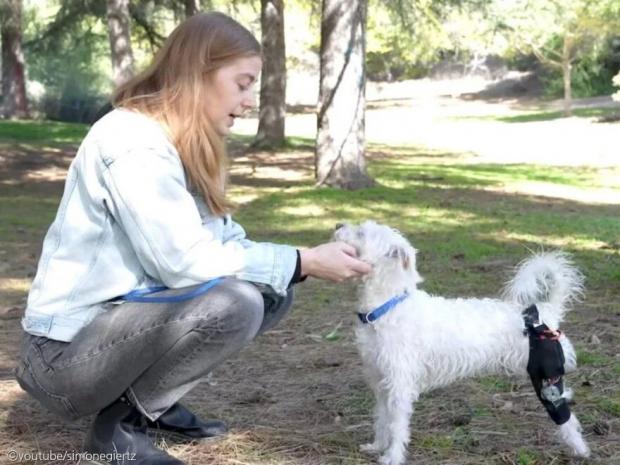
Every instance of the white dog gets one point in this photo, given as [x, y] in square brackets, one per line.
[422, 341]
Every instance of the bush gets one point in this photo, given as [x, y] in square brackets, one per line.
[591, 76]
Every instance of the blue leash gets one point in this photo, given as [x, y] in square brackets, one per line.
[382, 309]
[144, 295]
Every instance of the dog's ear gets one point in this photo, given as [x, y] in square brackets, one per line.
[399, 253]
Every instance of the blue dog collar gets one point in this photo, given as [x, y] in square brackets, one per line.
[378, 312]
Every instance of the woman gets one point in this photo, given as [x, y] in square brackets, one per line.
[145, 204]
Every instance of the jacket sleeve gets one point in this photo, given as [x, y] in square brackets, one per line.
[153, 206]
[233, 231]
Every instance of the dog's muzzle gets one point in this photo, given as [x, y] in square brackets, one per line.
[546, 365]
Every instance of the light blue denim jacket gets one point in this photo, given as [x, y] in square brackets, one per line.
[127, 220]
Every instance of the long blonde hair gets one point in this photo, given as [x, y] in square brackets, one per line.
[172, 91]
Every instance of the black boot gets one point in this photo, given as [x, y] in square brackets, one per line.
[182, 424]
[118, 435]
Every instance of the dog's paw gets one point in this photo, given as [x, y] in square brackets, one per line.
[370, 448]
[391, 459]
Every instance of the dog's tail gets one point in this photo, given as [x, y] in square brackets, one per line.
[547, 277]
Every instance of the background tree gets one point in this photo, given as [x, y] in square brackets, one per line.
[119, 33]
[272, 110]
[15, 104]
[559, 33]
[191, 7]
[340, 143]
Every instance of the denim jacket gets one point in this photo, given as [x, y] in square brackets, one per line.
[127, 220]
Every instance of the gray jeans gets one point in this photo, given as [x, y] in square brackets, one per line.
[153, 352]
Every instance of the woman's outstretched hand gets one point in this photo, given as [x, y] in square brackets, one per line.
[333, 261]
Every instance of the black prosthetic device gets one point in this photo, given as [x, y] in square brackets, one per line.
[546, 365]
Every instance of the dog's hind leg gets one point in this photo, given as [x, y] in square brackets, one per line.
[399, 407]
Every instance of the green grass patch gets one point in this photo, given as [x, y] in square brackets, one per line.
[585, 357]
[401, 173]
[610, 405]
[480, 412]
[526, 457]
[436, 441]
[360, 402]
[495, 384]
[463, 439]
[596, 112]
[49, 132]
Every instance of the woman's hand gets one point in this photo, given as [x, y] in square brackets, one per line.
[333, 261]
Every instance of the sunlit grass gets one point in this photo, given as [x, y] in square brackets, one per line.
[598, 112]
[42, 132]
[404, 171]
[14, 286]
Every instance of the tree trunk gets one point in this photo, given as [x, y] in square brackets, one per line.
[272, 111]
[15, 104]
[340, 160]
[191, 7]
[566, 76]
[119, 32]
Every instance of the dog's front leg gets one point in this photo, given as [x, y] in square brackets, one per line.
[381, 438]
[399, 407]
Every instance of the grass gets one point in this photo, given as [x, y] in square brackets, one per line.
[611, 406]
[14, 223]
[597, 112]
[495, 384]
[42, 131]
[585, 357]
[470, 222]
[449, 215]
[526, 457]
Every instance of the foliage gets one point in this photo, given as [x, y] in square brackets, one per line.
[591, 75]
[74, 84]
[68, 59]
[407, 38]
[68, 86]
[562, 34]
[395, 49]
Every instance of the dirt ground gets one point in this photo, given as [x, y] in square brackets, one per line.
[296, 397]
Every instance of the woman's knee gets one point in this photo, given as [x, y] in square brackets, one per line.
[244, 314]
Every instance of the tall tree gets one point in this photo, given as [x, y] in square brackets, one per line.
[272, 110]
[119, 32]
[15, 104]
[340, 144]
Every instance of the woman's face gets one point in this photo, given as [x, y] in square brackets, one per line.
[230, 92]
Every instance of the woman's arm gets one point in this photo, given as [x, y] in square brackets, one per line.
[333, 261]
[150, 201]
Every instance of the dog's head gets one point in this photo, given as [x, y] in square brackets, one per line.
[385, 248]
